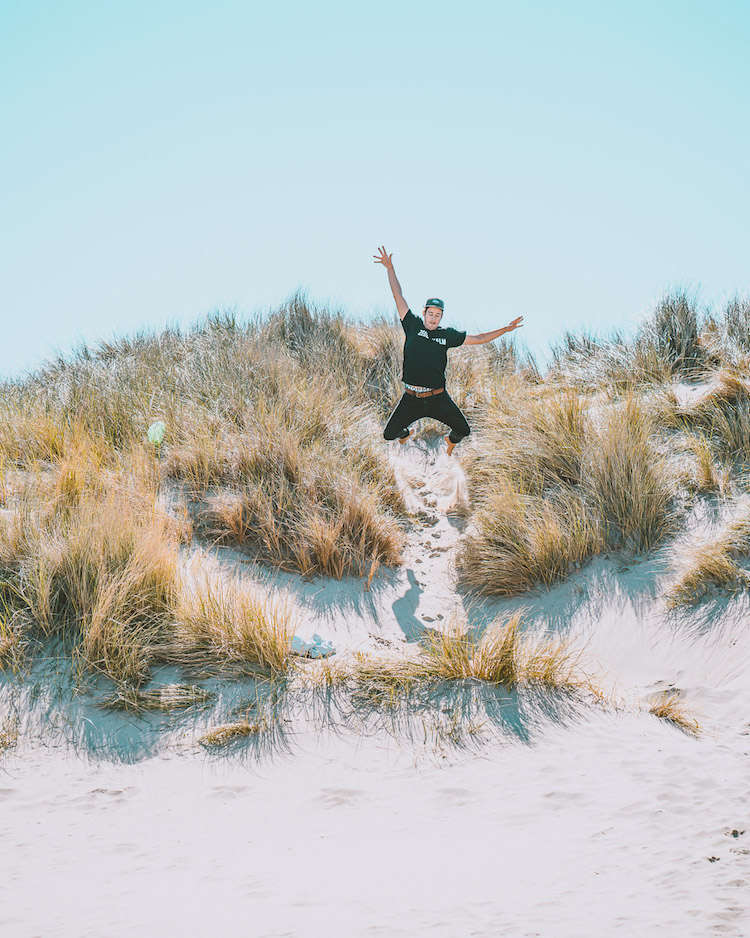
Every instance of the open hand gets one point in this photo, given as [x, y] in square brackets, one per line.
[383, 258]
[516, 324]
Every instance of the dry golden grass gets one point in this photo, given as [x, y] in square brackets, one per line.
[521, 540]
[165, 698]
[669, 343]
[274, 429]
[667, 706]
[28, 435]
[282, 414]
[538, 439]
[321, 674]
[225, 622]
[704, 567]
[94, 563]
[627, 481]
[721, 414]
[303, 487]
[131, 618]
[8, 732]
[101, 567]
[553, 487]
[709, 563]
[228, 733]
[504, 655]
[708, 478]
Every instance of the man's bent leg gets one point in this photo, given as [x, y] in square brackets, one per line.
[449, 413]
[407, 411]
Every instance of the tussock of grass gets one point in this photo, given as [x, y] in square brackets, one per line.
[13, 637]
[259, 719]
[721, 414]
[555, 488]
[522, 540]
[531, 524]
[158, 699]
[628, 481]
[667, 706]
[539, 441]
[28, 434]
[277, 411]
[707, 479]
[102, 569]
[668, 343]
[99, 568]
[711, 563]
[306, 510]
[384, 682]
[672, 329]
[228, 733]
[322, 674]
[222, 621]
[504, 655]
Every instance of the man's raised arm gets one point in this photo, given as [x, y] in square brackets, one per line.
[386, 260]
[484, 337]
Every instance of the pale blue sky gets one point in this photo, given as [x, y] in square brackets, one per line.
[563, 161]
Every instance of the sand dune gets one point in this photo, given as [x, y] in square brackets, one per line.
[579, 821]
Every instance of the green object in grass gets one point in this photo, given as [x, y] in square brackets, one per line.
[156, 432]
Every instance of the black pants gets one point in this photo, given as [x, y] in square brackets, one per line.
[439, 407]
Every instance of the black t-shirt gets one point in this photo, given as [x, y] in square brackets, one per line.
[426, 352]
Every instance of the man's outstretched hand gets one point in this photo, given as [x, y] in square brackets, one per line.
[516, 324]
[382, 257]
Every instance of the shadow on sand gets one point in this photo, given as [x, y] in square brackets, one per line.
[257, 719]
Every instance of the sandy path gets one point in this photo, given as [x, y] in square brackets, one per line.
[401, 602]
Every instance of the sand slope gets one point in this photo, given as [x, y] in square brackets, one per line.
[589, 823]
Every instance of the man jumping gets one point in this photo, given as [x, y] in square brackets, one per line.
[425, 358]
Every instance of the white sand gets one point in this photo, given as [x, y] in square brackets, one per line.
[603, 822]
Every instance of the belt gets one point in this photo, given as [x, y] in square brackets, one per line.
[424, 393]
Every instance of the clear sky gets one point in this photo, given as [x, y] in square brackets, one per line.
[564, 161]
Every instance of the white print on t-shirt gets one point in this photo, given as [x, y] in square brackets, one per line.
[434, 338]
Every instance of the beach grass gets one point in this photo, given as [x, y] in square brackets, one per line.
[711, 562]
[164, 698]
[506, 654]
[224, 622]
[668, 706]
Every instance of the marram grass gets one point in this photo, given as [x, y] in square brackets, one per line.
[504, 655]
[668, 706]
